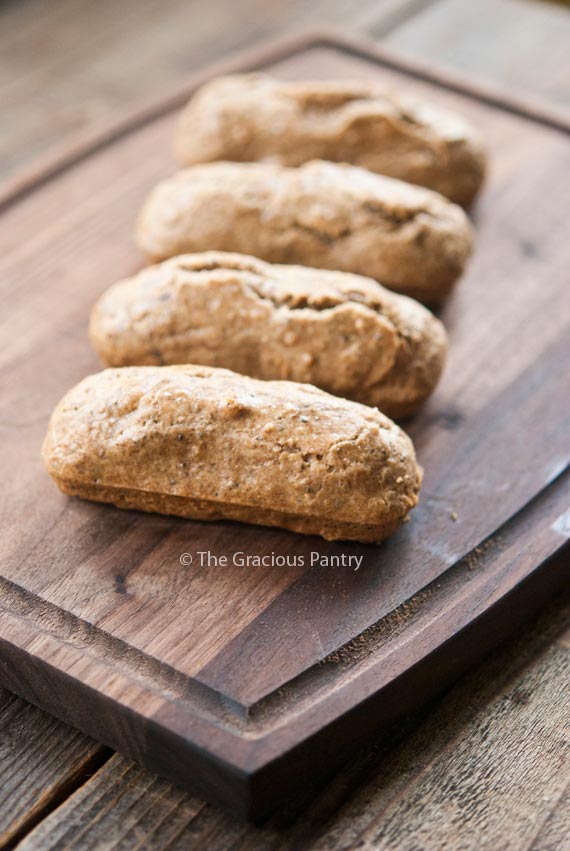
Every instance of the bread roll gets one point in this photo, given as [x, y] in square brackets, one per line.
[343, 333]
[209, 444]
[321, 214]
[253, 117]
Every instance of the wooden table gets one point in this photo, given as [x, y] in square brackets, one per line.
[487, 765]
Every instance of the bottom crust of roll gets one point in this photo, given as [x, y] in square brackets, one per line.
[201, 509]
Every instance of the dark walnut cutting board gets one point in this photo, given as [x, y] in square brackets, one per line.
[241, 682]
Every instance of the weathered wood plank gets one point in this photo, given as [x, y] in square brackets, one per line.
[121, 807]
[68, 65]
[489, 768]
[520, 46]
[487, 783]
[554, 834]
[41, 762]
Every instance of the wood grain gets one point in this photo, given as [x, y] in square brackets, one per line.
[42, 761]
[478, 761]
[488, 768]
[250, 674]
[518, 45]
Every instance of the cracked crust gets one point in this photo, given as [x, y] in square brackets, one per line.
[209, 444]
[341, 332]
[327, 215]
[254, 117]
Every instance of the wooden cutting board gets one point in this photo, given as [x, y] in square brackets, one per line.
[242, 681]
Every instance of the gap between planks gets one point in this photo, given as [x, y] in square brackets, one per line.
[38, 778]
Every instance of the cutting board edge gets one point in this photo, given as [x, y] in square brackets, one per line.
[253, 791]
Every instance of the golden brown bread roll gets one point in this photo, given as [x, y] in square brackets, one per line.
[322, 214]
[343, 333]
[210, 444]
[254, 117]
